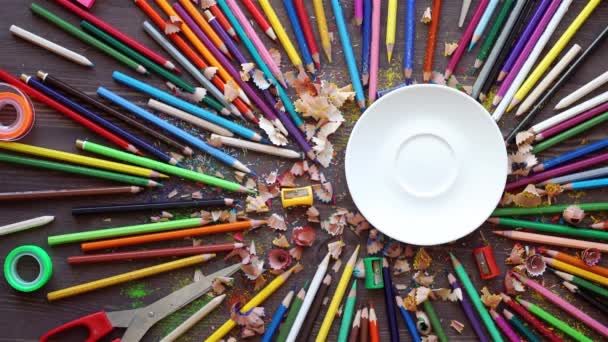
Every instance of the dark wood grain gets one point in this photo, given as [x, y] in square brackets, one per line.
[25, 317]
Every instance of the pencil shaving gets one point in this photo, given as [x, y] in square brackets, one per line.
[535, 265]
[335, 248]
[296, 252]
[231, 90]
[219, 285]
[275, 54]
[512, 285]
[520, 163]
[279, 259]
[303, 236]
[281, 241]
[422, 260]
[324, 192]
[246, 69]
[426, 16]
[260, 80]
[276, 222]
[254, 269]
[456, 325]
[312, 214]
[528, 198]
[171, 28]
[251, 322]
[489, 299]
[392, 249]
[374, 242]
[275, 136]
[401, 266]
[287, 180]
[450, 47]
[516, 257]
[591, 256]
[423, 279]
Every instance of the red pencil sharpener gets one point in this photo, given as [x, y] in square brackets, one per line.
[486, 263]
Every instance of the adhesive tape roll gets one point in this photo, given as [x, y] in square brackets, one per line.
[44, 264]
[13, 97]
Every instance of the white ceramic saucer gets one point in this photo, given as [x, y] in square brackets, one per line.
[426, 164]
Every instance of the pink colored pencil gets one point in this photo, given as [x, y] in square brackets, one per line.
[558, 171]
[572, 122]
[375, 50]
[504, 326]
[466, 38]
[255, 39]
[564, 305]
[358, 12]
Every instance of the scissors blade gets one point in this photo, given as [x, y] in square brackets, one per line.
[122, 319]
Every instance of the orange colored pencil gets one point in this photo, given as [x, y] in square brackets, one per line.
[171, 235]
[204, 25]
[374, 330]
[575, 261]
[431, 41]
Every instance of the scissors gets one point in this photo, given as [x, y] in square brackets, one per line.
[139, 321]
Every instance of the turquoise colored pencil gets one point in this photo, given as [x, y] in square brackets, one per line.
[483, 23]
[348, 313]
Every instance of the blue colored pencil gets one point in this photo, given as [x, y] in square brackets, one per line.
[278, 317]
[587, 184]
[409, 320]
[176, 131]
[186, 106]
[366, 34]
[410, 38]
[299, 34]
[579, 152]
[483, 23]
[139, 143]
[348, 53]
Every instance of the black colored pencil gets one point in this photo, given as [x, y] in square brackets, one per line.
[315, 309]
[121, 208]
[587, 296]
[389, 298]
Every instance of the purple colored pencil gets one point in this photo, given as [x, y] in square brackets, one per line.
[504, 326]
[523, 56]
[468, 309]
[523, 39]
[562, 126]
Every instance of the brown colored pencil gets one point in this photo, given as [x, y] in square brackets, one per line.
[320, 301]
[364, 330]
[551, 240]
[354, 331]
[374, 331]
[574, 260]
[46, 194]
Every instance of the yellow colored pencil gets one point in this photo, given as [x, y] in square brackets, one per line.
[391, 28]
[577, 271]
[257, 300]
[555, 51]
[279, 30]
[323, 30]
[337, 298]
[80, 159]
[125, 277]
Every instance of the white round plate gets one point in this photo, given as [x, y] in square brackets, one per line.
[426, 164]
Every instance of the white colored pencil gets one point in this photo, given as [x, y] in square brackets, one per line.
[570, 113]
[548, 80]
[253, 146]
[463, 12]
[192, 320]
[50, 46]
[27, 224]
[189, 118]
[583, 91]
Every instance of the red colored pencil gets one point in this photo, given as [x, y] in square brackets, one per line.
[219, 15]
[134, 44]
[307, 30]
[374, 330]
[12, 80]
[260, 19]
[431, 41]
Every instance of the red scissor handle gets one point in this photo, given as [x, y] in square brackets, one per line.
[98, 325]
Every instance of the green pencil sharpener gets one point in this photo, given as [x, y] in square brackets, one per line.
[373, 273]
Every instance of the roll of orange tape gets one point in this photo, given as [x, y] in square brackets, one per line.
[13, 97]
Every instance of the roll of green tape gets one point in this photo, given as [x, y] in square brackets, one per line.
[44, 264]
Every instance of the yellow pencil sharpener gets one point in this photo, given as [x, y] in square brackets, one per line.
[293, 197]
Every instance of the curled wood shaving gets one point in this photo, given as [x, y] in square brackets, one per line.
[336, 222]
[450, 47]
[279, 259]
[254, 269]
[281, 241]
[297, 169]
[275, 54]
[393, 249]
[591, 256]
[205, 4]
[337, 265]
[423, 324]
[426, 16]
[422, 260]
[424, 279]
[276, 222]
[171, 28]
[524, 138]
[240, 176]
[231, 90]
[456, 325]
[512, 285]
[303, 236]
[335, 248]
[256, 204]
[528, 198]
[312, 214]
[521, 162]
[535, 265]
[552, 191]
[210, 72]
[296, 252]
[260, 80]
[220, 284]
[324, 192]
[271, 178]
[401, 266]
[490, 300]
[374, 242]
[516, 257]
[246, 69]
[251, 322]
[447, 294]
[287, 180]
[251, 184]
[275, 136]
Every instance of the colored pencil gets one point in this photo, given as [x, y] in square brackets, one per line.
[212, 6]
[337, 297]
[528, 57]
[483, 23]
[259, 18]
[307, 30]
[564, 305]
[389, 297]
[409, 320]
[319, 301]
[435, 322]
[533, 321]
[578, 176]
[129, 276]
[550, 228]
[172, 235]
[359, 12]
[577, 278]
[348, 313]
[284, 39]
[163, 167]
[520, 326]
[410, 39]
[67, 193]
[80, 159]
[277, 318]
[121, 208]
[322, 25]
[50, 46]
[366, 41]
[551, 240]
[558, 84]
[504, 326]
[299, 34]
[189, 118]
[579, 272]
[258, 299]
[587, 297]
[559, 324]
[575, 260]
[152, 253]
[26, 224]
[464, 9]
[429, 56]
[570, 113]
[364, 329]
[134, 44]
[194, 319]
[262, 148]
[548, 79]
[391, 28]
[204, 26]
[475, 299]
[577, 153]
[291, 316]
[550, 209]
[582, 91]
[88, 39]
[374, 50]
[468, 309]
[353, 335]
[555, 51]
[374, 330]
[465, 39]
[497, 26]
[348, 53]
[586, 184]
[81, 170]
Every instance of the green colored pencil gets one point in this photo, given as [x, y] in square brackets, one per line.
[349, 312]
[292, 314]
[598, 290]
[156, 165]
[126, 230]
[435, 322]
[81, 170]
[554, 321]
[550, 228]
[520, 326]
[499, 22]
[85, 37]
[475, 299]
[580, 128]
[161, 71]
[550, 209]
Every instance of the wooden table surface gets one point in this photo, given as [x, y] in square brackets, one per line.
[25, 317]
